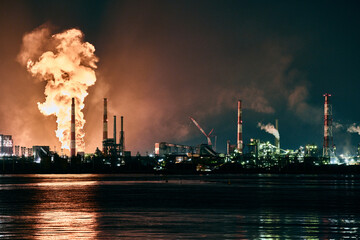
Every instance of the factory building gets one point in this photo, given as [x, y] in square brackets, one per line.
[311, 150]
[23, 151]
[110, 145]
[164, 148]
[17, 150]
[29, 152]
[6, 145]
[231, 148]
[205, 150]
[40, 153]
[264, 154]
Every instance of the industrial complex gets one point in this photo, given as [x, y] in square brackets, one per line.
[113, 157]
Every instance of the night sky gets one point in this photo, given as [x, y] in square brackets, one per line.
[163, 61]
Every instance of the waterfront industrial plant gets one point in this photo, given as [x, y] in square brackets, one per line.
[255, 155]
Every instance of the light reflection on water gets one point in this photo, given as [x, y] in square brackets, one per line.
[65, 225]
[179, 207]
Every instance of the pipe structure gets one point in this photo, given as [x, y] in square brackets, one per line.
[327, 126]
[105, 123]
[114, 130]
[72, 140]
[239, 129]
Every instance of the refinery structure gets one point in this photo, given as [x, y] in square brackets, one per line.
[113, 157]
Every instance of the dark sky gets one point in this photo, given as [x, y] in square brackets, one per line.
[163, 61]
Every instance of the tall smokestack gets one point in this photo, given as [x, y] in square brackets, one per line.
[105, 126]
[239, 129]
[327, 126]
[228, 147]
[122, 141]
[114, 129]
[72, 140]
[277, 141]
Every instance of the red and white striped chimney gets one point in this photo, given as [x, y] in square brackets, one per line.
[239, 129]
[105, 122]
[327, 126]
[73, 140]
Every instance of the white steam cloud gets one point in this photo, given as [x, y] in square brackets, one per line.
[354, 129]
[270, 129]
[337, 125]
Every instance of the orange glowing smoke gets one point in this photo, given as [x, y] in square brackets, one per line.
[68, 69]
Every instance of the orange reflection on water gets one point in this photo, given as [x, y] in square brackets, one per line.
[66, 209]
[66, 225]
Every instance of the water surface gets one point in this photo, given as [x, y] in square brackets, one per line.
[94, 206]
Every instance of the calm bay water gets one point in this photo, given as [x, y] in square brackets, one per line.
[93, 206]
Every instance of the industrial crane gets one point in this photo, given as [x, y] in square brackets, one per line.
[203, 132]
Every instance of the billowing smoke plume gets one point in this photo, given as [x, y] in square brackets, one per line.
[354, 129]
[270, 129]
[297, 102]
[67, 64]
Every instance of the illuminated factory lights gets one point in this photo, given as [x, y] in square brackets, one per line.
[6, 145]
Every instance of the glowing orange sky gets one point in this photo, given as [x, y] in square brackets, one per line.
[161, 63]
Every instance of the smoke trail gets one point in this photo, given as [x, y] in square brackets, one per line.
[354, 129]
[337, 125]
[67, 65]
[270, 129]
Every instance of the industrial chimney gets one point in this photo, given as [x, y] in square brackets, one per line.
[105, 126]
[114, 130]
[228, 147]
[239, 129]
[73, 140]
[277, 141]
[122, 140]
[327, 126]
